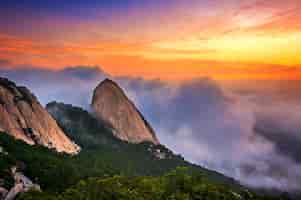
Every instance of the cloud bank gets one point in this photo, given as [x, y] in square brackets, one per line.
[72, 85]
[236, 133]
[221, 130]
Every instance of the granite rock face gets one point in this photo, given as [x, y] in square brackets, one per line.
[111, 105]
[23, 117]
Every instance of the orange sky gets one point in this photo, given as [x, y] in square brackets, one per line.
[222, 39]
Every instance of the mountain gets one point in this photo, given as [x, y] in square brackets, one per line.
[100, 145]
[112, 106]
[23, 117]
[81, 126]
[109, 168]
[106, 167]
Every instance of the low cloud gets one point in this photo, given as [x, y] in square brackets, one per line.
[281, 124]
[72, 85]
[216, 129]
[244, 133]
[4, 63]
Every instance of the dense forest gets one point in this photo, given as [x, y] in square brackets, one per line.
[179, 184]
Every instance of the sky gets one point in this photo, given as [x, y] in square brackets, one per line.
[171, 39]
[218, 80]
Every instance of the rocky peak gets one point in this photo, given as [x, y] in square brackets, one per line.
[22, 116]
[111, 105]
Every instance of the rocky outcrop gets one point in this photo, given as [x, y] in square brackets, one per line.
[23, 117]
[3, 193]
[111, 105]
[22, 184]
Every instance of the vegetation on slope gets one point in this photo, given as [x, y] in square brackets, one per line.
[108, 168]
[179, 184]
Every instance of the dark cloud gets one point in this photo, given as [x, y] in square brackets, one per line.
[208, 125]
[281, 125]
[4, 63]
[83, 73]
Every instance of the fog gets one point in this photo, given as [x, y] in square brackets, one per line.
[252, 135]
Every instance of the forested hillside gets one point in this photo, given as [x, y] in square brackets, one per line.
[108, 168]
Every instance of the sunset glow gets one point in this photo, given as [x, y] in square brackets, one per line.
[157, 39]
[164, 99]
